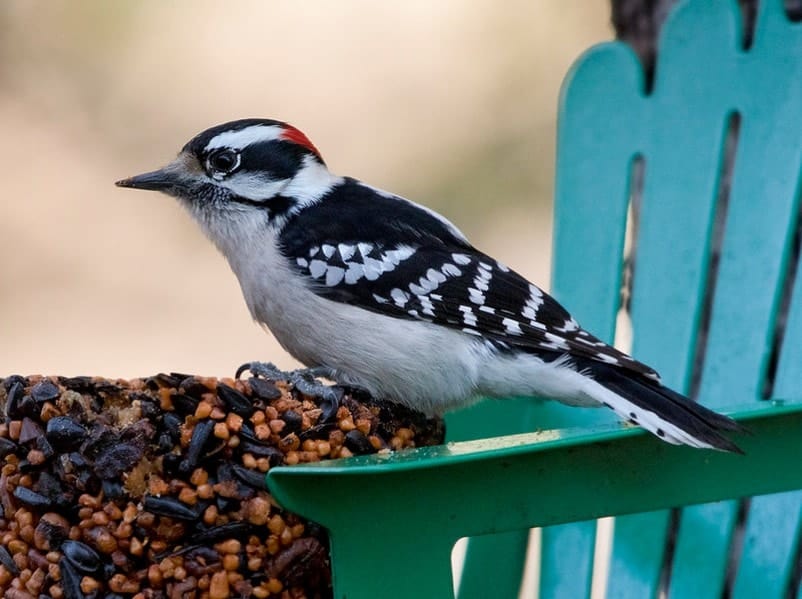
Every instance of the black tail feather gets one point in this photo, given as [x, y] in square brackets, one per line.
[693, 418]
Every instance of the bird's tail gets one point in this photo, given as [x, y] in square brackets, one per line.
[663, 412]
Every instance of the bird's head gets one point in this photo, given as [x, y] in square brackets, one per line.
[245, 169]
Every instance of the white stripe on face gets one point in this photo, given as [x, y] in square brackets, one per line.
[253, 185]
[242, 138]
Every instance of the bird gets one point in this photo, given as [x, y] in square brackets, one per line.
[374, 291]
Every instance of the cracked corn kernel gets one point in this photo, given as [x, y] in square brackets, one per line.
[218, 587]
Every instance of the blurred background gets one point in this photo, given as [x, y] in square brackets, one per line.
[450, 103]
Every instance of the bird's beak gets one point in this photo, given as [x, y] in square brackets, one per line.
[169, 178]
[159, 180]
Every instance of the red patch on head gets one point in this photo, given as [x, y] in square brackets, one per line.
[292, 134]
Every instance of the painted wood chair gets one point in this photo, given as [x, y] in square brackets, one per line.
[716, 308]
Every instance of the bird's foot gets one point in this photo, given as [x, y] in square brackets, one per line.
[303, 379]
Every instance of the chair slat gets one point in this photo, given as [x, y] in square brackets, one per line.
[638, 553]
[593, 178]
[705, 575]
[567, 574]
[752, 258]
[595, 146]
[786, 382]
[769, 543]
[684, 136]
[503, 555]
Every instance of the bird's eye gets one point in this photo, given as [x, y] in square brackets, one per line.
[223, 162]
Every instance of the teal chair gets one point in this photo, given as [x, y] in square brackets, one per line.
[716, 307]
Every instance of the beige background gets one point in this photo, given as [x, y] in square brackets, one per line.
[451, 103]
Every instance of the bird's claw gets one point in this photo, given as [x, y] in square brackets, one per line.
[266, 370]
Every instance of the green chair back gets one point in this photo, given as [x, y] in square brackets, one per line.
[724, 323]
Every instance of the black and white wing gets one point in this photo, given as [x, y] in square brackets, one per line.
[412, 264]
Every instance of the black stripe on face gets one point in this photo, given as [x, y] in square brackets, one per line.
[276, 159]
[275, 206]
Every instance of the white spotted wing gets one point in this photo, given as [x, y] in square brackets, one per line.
[459, 288]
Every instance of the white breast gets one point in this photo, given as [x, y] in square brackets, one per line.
[426, 367]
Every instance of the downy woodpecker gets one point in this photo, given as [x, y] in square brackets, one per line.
[381, 293]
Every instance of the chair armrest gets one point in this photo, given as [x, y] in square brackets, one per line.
[420, 502]
[625, 470]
